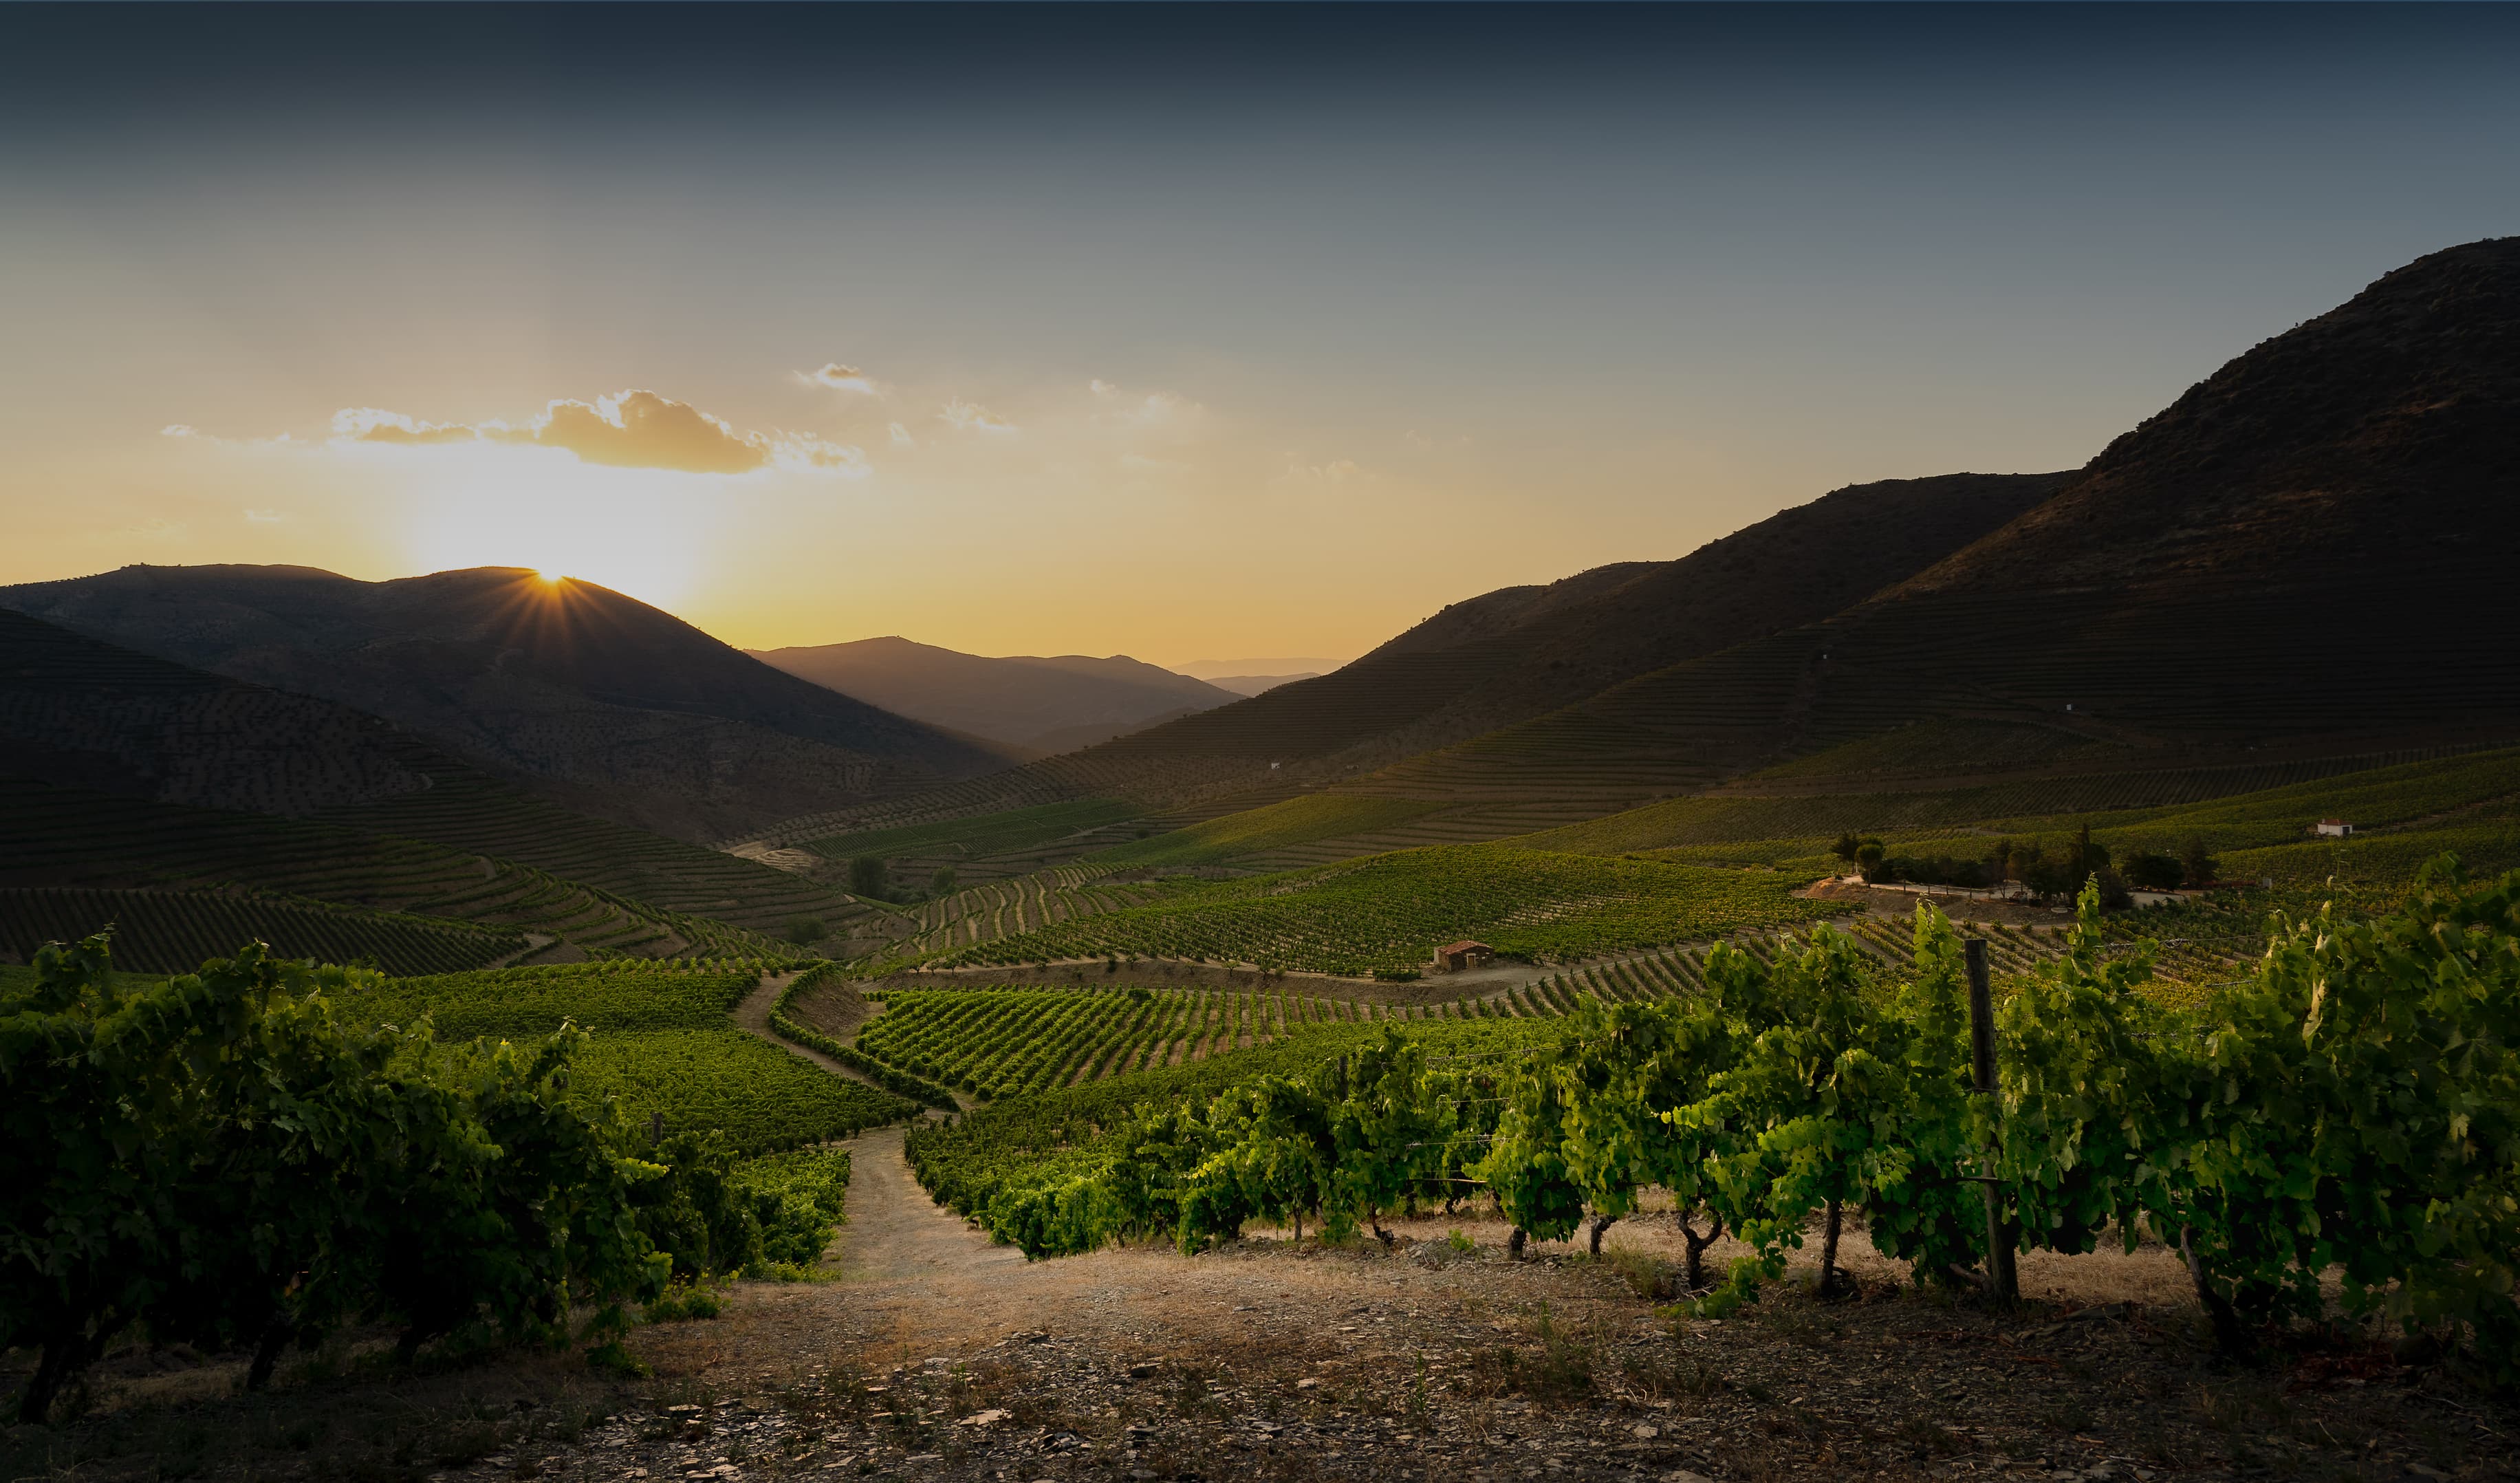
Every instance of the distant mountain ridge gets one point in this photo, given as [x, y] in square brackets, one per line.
[1042, 704]
[590, 697]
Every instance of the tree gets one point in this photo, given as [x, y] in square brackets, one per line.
[2152, 871]
[805, 931]
[1868, 857]
[942, 882]
[2197, 867]
[1846, 846]
[867, 877]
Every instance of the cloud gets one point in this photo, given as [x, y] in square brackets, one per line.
[838, 377]
[179, 430]
[628, 429]
[901, 437]
[971, 417]
[1153, 409]
[375, 425]
[263, 516]
[640, 429]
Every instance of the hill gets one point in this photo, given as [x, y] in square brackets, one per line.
[2304, 555]
[1519, 652]
[594, 699]
[120, 770]
[1040, 705]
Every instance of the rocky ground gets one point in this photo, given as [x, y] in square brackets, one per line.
[933, 1355]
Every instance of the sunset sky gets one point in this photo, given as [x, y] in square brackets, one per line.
[1180, 333]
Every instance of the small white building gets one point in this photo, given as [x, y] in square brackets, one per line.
[2332, 828]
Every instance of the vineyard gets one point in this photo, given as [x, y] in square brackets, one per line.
[979, 834]
[68, 836]
[1007, 1042]
[662, 1045]
[1389, 912]
[471, 813]
[2350, 1105]
[1297, 821]
[174, 931]
[1005, 907]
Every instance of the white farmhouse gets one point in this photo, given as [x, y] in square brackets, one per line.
[2333, 829]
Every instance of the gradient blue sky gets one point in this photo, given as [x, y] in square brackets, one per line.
[1180, 333]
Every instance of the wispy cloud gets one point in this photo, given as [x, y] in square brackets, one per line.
[838, 377]
[263, 516]
[901, 437]
[628, 429]
[971, 417]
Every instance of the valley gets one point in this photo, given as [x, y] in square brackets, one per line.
[1540, 1047]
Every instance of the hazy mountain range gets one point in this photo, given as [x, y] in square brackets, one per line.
[1043, 705]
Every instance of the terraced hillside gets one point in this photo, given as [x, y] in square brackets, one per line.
[122, 722]
[176, 931]
[1388, 914]
[2256, 819]
[70, 836]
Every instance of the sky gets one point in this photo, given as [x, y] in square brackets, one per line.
[1182, 333]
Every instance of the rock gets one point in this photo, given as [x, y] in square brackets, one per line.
[1644, 1433]
[1683, 1475]
[1144, 1369]
[989, 1417]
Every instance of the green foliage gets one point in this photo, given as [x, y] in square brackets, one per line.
[1191, 1152]
[662, 1045]
[869, 876]
[222, 1158]
[979, 834]
[941, 884]
[917, 1091]
[1295, 820]
[805, 931]
[1387, 910]
[171, 932]
[2353, 1106]
[713, 1213]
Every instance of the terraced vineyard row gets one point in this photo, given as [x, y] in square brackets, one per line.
[2194, 952]
[475, 814]
[662, 1045]
[1002, 909]
[1387, 912]
[176, 931]
[618, 994]
[70, 836]
[1007, 1042]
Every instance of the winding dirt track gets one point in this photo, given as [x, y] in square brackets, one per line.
[752, 1016]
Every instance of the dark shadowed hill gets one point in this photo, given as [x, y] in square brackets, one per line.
[593, 698]
[1042, 704]
[1522, 651]
[77, 711]
[2314, 546]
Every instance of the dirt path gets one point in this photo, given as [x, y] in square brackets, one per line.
[752, 1016]
[899, 1242]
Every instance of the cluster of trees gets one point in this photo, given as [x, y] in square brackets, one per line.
[2052, 876]
[2353, 1108]
[221, 1159]
[871, 879]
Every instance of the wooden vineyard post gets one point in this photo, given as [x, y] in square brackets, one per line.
[2004, 1280]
